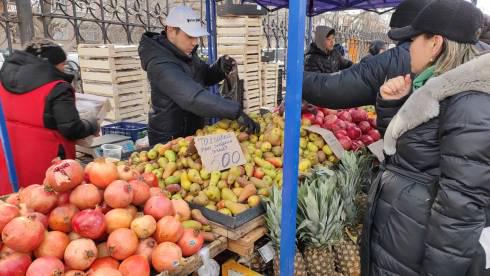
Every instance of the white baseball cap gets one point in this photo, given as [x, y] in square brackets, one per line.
[186, 19]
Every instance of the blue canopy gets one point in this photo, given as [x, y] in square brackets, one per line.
[315, 7]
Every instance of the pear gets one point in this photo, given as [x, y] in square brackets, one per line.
[201, 199]
[195, 189]
[225, 211]
[227, 194]
[253, 201]
[236, 208]
[213, 193]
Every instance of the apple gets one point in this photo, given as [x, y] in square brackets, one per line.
[367, 140]
[345, 116]
[328, 111]
[374, 134]
[358, 115]
[365, 126]
[340, 133]
[346, 142]
[373, 122]
[308, 116]
[357, 145]
[330, 119]
[354, 133]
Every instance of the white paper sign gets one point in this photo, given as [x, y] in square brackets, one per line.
[330, 139]
[377, 149]
[267, 252]
[220, 151]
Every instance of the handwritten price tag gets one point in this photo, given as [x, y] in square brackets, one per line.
[219, 152]
[330, 139]
[377, 149]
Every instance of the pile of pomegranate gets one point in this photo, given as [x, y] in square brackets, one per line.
[354, 128]
[102, 220]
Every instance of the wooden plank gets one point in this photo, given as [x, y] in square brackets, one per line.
[235, 234]
[109, 90]
[230, 21]
[193, 263]
[245, 245]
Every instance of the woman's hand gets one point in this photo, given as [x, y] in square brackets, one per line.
[396, 88]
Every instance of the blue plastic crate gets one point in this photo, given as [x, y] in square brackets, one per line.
[134, 130]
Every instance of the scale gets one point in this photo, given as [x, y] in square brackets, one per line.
[91, 146]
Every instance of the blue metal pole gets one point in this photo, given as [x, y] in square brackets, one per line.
[212, 43]
[9, 158]
[296, 35]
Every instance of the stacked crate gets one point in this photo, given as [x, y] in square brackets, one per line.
[240, 37]
[269, 84]
[115, 72]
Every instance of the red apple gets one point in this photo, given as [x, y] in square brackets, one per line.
[341, 133]
[357, 145]
[367, 140]
[374, 134]
[328, 111]
[354, 133]
[373, 122]
[358, 115]
[365, 126]
[308, 116]
[320, 113]
[330, 119]
[346, 142]
[345, 116]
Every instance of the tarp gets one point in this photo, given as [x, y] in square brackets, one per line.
[315, 7]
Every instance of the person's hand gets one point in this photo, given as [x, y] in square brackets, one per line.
[396, 88]
[247, 124]
[226, 64]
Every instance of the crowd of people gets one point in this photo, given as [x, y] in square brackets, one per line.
[430, 202]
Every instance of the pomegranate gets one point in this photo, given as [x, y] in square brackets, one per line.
[166, 256]
[104, 262]
[345, 116]
[74, 236]
[46, 266]
[141, 191]
[23, 234]
[144, 226]
[373, 122]
[357, 145]
[145, 248]
[63, 198]
[354, 133]
[80, 254]
[75, 273]
[135, 265]
[89, 224]
[13, 199]
[169, 229]
[358, 115]
[340, 133]
[367, 140]
[125, 173]
[150, 179]
[60, 218]
[158, 207]
[182, 209]
[106, 271]
[346, 142]
[365, 126]
[101, 172]
[85, 196]
[190, 242]
[41, 199]
[103, 250]
[103, 207]
[24, 192]
[64, 175]
[374, 134]
[53, 245]
[118, 218]
[122, 243]
[7, 213]
[119, 194]
[14, 264]
[156, 191]
[42, 218]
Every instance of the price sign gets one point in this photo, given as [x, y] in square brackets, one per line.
[219, 152]
[330, 139]
[377, 149]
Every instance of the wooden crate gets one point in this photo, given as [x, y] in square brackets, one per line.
[236, 234]
[246, 244]
[270, 82]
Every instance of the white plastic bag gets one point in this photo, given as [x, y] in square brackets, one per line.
[142, 143]
[210, 266]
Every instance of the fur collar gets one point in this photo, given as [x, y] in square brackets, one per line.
[423, 104]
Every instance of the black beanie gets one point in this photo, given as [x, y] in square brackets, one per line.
[47, 50]
[406, 12]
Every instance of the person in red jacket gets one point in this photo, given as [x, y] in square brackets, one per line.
[39, 105]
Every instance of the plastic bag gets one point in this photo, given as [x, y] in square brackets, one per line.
[142, 143]
[210, 266]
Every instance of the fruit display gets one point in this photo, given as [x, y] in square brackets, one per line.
[355, 128]
[98, 220]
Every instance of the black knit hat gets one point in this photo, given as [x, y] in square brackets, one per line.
[47, 50]
[406, 12]
[456, 20]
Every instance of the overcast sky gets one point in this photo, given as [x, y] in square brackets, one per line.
[484, 5]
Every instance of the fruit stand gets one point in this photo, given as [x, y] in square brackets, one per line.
[154, 211]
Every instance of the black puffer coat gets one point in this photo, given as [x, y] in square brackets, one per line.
[359, 85]
[429, 207]
[180, 100]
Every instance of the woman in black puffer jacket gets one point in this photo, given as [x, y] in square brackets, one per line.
[429, 206]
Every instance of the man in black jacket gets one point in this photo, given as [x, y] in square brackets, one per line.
[359, 85]
[178, 79]
[322, 56]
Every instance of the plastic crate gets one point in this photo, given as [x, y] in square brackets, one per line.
[134, 130]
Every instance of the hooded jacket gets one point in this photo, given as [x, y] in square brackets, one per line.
[359, 85]
[318, 59]
[428, 208]
[180, 100]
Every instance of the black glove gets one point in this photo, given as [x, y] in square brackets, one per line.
[248, 124]
[226, 64]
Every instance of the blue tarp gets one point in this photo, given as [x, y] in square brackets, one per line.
[315, 7]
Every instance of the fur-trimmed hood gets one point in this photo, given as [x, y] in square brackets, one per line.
[423, 104]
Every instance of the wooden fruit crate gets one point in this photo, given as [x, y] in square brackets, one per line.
[270, 82]
[246, 244]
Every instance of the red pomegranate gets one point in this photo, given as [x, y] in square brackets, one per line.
[41, 199]
[122, 243]
[42, 218]
[166, 256]
[191, 242]
[118, 218]
[75, 273]
[23, 234]
[101, 172]
[169, 229]
[119, 194]
[7, 213]
[80, 254]
[14, 264]
[53, 245]
[135, 265]
[104, 262]
[64, 175]
[85, 196]
[145, 248]
[61, 216]
[141, 191]
[46, 266]
[159, 207]
[89, 224]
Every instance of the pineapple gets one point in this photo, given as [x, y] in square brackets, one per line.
[320, 213]
[273, 223]
[352, 172]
